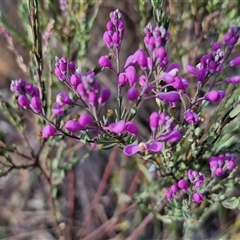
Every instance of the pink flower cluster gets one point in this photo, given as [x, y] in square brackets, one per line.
[196, 179]
[28, 95]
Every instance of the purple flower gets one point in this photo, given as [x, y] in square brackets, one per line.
[108, 39]
[200, 73]
[63, 99]
[104, 62]
[76, 79]
[85, 119]
[118, 127]
[104, 96]
[131, 128]
[171, 96]
[116, 39]
[131, 75]
[196, 178]
[17, 86]
[132, 94]
[154, 121]
[23, 101]
[214, 96]
[173, 136]
[233, 79]
[36, 104]
[141, 57]
[174, 188]
[132, 149]
[180, 84]
[169, 194]
[182, 184]
[73, 126]
[191, 117]
[48, 131]
[235, 62]
[198, 197]
[57, 110]
[122, 79]
[93, 98]
[72, 67]
[219, 172]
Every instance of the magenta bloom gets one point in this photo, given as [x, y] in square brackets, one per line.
[131, 128]
[141, 57]
[36, 104]
[118, 127]
[73, 126]
[173, 136]
[122, 79]
[171, 96]
[104, 62]
[154, 121]
[76, 79]
[105, 95]
[191, 117]
[214, 96]
[63, 99]
[182, 184]
[199, 72]
[196, 178]
[198, 197]
[85, 119]
[169, 194]
[233, 79]
[132, 94]
[131, 75]
[48, 131]
[23, 101]
[108, 39]
[132, 149]
[174, 188]
[57, 110]
[235, 62]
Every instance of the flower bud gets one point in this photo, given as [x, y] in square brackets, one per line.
[154, 121]
[73, 126]
[122, 79]
[171, 96]
[182, 184]
[48, 131]
[36, 104]
[23, 101]
[215, 96]
[107, 39]
[75, 79]
[131, 75]
[191, 117]
[198, 197]
[105, 95]
[132, 94]
[72, 67]
[85, 119]
[104, 62]
[174, 188]
[235, 62]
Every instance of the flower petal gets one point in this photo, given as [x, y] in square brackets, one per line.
[154, 146]
[131, 149]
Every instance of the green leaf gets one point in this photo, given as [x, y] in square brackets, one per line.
[231, 203]
[235, 111]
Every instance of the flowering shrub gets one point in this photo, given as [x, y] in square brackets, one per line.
[180, 142]
[156, 78]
